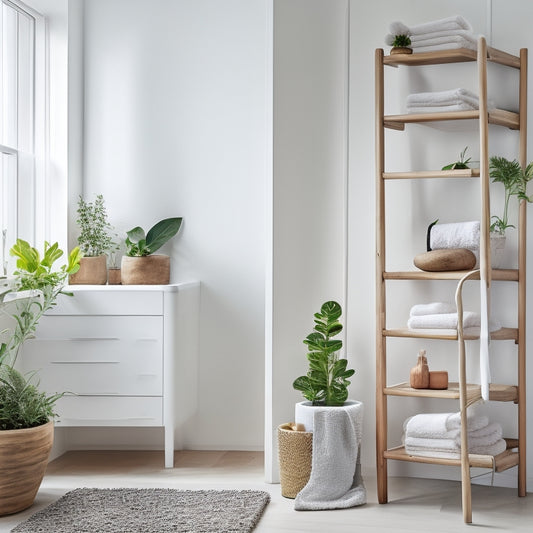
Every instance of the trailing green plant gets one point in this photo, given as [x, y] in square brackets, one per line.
[515, 180]
[95, 231]
[462, 163]
[326, 382]
[22, 405]
[139, 244]
[401, 41]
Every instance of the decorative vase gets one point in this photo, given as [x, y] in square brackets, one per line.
[114, 276]
[419, 375]
[147, 270]
[497, 250]
[23, 458]
[401, 50]
[93, 271]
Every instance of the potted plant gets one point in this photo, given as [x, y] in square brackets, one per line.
[140, 266]
[461, 164]
[515, 180]
[26, 414]
[94, 241]
[400, 44]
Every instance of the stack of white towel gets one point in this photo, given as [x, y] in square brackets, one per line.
[439, 435]
[443, 101]
[443, 315]
[443, 34]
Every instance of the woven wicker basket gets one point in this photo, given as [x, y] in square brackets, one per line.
[295, 452]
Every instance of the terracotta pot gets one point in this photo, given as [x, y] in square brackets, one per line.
[148, 270]
[93, 271]
[23, 458]
[114, 276]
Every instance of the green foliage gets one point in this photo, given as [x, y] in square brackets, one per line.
[21, 403]
[514, 179]
[139, 244]
[462, 163]
[95, 237]
[401, 41]
[326, 382]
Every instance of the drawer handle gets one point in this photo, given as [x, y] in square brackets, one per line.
[83, 339]
[107, 419]
[146, 339]
[84, 362]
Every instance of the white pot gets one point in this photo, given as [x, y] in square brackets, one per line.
[304, 412]
[497, 250]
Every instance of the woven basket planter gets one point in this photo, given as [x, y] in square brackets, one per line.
[93, 271]
[23, 458]
[295, 453]
[149, 270]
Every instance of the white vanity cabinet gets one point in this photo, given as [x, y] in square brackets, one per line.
[114, 350]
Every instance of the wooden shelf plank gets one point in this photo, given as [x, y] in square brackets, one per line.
[497, 275]
[460, 55]
[449, 334]
[501, 462]
[500, 117]
[497, 393]
[424, 174]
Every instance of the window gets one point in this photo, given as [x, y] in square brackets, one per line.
[21, 137]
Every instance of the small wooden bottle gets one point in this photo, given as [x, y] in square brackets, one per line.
[419, 376]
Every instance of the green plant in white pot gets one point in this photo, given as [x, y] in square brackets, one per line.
[515, 180]
[26, 413]
[140, 266]
[95, 242]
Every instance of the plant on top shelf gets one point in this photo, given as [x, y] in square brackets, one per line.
[140, 265]
[326, 382]
[26, 430]
[400, 43]
[462, 163]
[95, 241]
[515, 180]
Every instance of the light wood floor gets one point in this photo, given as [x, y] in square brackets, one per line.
[416, 504]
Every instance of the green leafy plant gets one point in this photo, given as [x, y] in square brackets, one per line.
[401, 41]
[514, 179]
[462, 163]
[326, 382]
[95, 231]
[139, 244]
[22, 405]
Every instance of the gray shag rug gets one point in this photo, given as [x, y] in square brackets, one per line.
[149, 511]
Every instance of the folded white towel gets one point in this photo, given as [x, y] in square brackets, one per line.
[455, 235]
[475, 422]
[449, 97]
[439, 445]
[447, 42]
[449, 321]
[419, 39]
[487, 438]
[489, 429]
[430, 425]
[493, 449]
[444, 24]
[440, 108]
[432, 308]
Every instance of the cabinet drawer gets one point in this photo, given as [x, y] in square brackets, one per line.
[109, 302]
[109, 411]
[126, 358]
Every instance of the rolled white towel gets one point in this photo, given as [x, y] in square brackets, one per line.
[432, 308]
[455, 235]
[449, 321]
[449, 97]
[445, 24]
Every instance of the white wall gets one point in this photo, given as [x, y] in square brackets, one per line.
[175, 125]
[308, 249]
[411, 206]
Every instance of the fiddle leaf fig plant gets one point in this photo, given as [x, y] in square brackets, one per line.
[139, 244]
[326, 382]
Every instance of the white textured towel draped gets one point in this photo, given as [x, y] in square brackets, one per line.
[335, 481]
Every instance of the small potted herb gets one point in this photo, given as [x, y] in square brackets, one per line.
[140, 266]
[95, 241]
[401, 43]
[461, 164]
